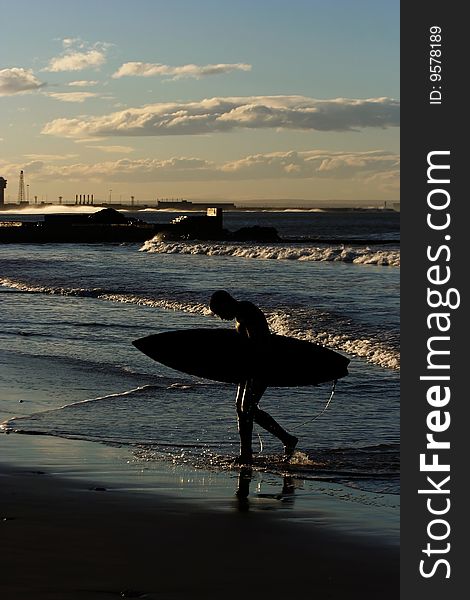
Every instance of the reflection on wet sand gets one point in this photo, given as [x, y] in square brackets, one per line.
[245, 477]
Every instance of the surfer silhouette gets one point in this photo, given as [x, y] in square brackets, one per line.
[251, 323]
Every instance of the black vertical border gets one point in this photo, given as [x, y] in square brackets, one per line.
[426, 128]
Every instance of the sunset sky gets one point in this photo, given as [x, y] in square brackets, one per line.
[231, 100]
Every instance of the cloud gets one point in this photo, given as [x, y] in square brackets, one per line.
[73, 96]
[89, 140]
[377, 167]
[140, 69]
[313, 163]
[69, 42]
[78, 55]
[77, 61]
[18, 81]
[114, 149]
[226, 114]
[82, 83]
[50, 157]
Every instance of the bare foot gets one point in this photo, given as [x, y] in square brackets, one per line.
[243, 459]
[289, 448]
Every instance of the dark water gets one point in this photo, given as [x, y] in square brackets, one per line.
[70, 312]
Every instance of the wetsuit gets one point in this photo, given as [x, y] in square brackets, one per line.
[251, 322]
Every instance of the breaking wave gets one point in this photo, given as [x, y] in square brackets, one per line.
[304, 252]
[377, 348]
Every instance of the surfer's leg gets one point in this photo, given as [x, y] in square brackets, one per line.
[264, 420]
[245, 410]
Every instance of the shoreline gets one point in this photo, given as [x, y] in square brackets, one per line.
[77, 524]
[196, 206]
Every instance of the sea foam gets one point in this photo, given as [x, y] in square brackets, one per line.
[357, 255]
[326, 332]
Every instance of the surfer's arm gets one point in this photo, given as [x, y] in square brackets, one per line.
[242, 329]
[251, 321]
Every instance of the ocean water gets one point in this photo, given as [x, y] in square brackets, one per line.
[70, 313]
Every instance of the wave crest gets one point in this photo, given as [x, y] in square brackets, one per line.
[304, 252]
[328, 331]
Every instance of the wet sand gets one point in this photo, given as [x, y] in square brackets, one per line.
[84, 538]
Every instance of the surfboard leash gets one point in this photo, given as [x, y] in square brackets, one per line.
[321, 412]
[308, 420]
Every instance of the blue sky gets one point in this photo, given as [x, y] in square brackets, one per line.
[232, 100]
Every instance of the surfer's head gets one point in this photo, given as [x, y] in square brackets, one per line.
[223, 305]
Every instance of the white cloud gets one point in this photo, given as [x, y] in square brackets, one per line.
[89, 140]
[114, 149]
[77, 61]
[50, 157]
[18, 81]
[73, 96]
[314, 163]
[78, 55]
[69, 42]
[82, 83]
[379, 167]
[141, 69]
[226, 114]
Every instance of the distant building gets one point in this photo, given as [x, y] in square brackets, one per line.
[180, 204]
[3, 185]
[188, 205]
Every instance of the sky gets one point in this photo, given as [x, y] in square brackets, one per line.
[266, 102]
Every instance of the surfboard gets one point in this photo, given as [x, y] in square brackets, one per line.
[226, 356]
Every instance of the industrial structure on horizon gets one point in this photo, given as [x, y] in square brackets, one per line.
[3, 185]
[178, 204]
[188, 205]
[21, 201]
[21, 194]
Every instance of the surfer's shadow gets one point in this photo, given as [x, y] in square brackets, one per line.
[285, 498]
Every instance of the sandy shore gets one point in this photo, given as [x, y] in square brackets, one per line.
[61, 539]
[76, 538]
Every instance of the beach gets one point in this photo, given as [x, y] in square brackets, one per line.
[92, 536]
[117, 473]
[160, 440]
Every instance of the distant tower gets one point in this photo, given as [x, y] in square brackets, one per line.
[21, 196]
[3, 185]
